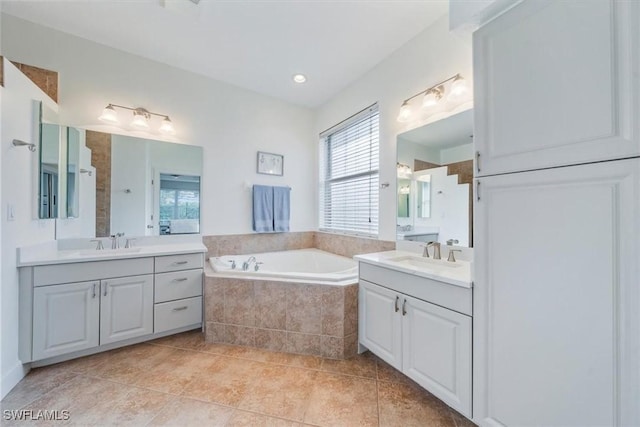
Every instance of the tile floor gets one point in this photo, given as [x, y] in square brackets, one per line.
[181, 380]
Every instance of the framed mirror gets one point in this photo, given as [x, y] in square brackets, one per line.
[434, 182]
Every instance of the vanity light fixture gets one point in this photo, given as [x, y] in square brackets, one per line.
[19, 143]
[141, 118]
[434, 95]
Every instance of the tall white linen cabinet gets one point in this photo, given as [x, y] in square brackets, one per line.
[557, 215]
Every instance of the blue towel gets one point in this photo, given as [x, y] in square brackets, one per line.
[281, 208]
[262, 208]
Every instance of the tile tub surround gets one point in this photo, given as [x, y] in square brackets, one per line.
[290, 317]
[339, 244]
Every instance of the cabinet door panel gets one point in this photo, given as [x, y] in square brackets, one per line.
[436, 349]
[556, 322]
[380, 323]
[65, 318]
[555, 84]
[126, 309]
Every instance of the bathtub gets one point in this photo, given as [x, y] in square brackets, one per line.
[302, 265]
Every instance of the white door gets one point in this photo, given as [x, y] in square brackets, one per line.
[127, 308]
[381, 322]
[436, 351]
[556, 84]
[556, 296]
[65, 318]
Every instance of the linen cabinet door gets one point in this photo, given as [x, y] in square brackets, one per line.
[380, 322]
[556, 84]
[436, 351]
[65, 318]
[556, 319]
[126, 308]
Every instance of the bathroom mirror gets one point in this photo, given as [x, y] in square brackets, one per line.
[73, 171]
[51, 176]
[144, 187]
[434, 181]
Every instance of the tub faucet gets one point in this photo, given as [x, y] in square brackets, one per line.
[247, 263]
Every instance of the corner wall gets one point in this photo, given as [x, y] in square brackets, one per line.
[433, 55]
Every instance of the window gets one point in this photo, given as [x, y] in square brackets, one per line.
[349, 162]
[179, 204]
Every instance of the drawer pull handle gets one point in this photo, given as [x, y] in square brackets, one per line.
[180, 262]
[396, 306]
[182, 279]
[184, 307]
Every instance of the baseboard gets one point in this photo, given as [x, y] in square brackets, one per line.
[13, 377]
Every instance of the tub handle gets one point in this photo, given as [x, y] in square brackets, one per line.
[397, 301]
[233, 264]
[257, 265]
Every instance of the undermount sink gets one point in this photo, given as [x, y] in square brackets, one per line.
[103, 252]
[425, 263]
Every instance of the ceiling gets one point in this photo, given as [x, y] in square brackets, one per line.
[255, 44]
[450, 132]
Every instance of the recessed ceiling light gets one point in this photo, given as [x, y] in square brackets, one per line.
[299, 78]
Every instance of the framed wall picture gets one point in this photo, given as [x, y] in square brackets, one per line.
[270, 164]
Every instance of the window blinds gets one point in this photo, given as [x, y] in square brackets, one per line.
[349, 163]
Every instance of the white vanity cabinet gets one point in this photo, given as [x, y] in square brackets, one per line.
[65, 318]
[555, 83]
[72, 309]
[409, 322]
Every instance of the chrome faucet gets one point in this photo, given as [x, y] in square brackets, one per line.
[247, 263]
[436, 249]
[99, 247]
[452, 242]
[452, 256]
[115, 243]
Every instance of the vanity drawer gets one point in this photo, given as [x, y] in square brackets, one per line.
[92, 270]
[179, 262]
[176, 314]
[178, 284]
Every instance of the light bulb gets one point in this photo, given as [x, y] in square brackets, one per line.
[167, 127]
[432, 97]
[299, 78]
[459, 86]
[109, 115]
[139, 120]
[405, 112]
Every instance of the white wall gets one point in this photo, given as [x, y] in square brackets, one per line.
[456, 154]
[409, 151]
[18, 180]
[230, 123]
[430, 57]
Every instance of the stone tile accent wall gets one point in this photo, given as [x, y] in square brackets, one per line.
[282, 316]
[350, 245]
[1, 71]
[100, 145]
[46, 80]
[239, 244]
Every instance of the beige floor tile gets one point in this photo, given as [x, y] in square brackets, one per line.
[339, 400]
[128, 364]
[280, 391]
[249, 419]
[387, 372]
[36, 384]
[406, 405]
[225, 382]
[175, 371]
[188, 412]
[361, 365]
[192, 340]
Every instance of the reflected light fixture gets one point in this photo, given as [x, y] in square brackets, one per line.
[434, 95]
[404, 171]
[141, 118]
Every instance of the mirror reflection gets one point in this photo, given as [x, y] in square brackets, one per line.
[434, 181]
[73, 172]
[143, 186]
[49, 188]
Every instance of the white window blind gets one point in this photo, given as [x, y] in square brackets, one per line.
[349, 163]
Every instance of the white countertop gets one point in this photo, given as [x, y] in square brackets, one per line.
[458, 273]
[51, 253]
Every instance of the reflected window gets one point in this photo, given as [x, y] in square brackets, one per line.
[179, 204]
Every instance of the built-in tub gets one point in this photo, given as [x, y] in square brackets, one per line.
[307, 265]
[300, 301]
